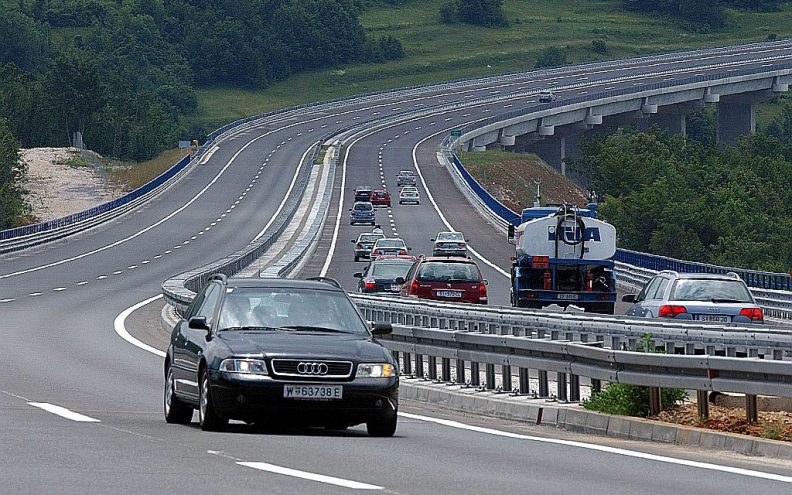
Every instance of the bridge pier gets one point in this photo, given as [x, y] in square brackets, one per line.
[736, 117]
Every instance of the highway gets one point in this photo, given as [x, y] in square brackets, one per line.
[59, 303]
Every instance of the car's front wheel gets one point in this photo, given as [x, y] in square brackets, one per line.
[208, 418]
[176, 411]
[383, 427]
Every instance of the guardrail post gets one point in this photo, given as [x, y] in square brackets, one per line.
[525, 381]
[432, 368]
[561, 386]
[574, 388]
[654, 401]
[703, 404]
[596, 386]
[475, 378]
[490, 376]
[407, 358]
[445, 369]
[544, 386]
[419, 366]
[751, 409]
[460, 371]
[507, 379]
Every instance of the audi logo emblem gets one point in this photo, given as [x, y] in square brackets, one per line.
[312, 368]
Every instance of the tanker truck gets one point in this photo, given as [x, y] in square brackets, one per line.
[563, 255]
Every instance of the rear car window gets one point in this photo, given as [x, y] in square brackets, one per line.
[389, 244]
[390, 270]
[370, 237]
[362, 206]
[707, 290]
[448, 272]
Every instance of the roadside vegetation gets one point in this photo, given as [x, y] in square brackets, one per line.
[134, 76]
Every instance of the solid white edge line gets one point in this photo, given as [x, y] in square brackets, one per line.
[120, 327]
[330, 480]
[63, 412]
[437, 208]
[337, 227]
[602, 448]
[288, 191]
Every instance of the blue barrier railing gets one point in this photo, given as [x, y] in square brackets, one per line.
[97, 210]
[753, 278]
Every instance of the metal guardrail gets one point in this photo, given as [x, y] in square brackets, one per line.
[431, 352]
[31, 235]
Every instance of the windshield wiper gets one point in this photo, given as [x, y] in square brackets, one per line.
[309, 328]
[725, 300]
[252, 327]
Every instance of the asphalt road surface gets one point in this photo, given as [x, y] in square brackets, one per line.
[81, 407]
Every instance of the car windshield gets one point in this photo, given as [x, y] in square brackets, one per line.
[710, 290]
[409, 193]
[362, 206]
[261, 309]
[390, 243]
[390, 269]
[448, 272]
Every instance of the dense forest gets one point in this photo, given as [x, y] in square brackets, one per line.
[123, 73]
[693, 200]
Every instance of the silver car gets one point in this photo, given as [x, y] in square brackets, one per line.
[410, 195]
[700, 297]
[405, 178]
[449, 244]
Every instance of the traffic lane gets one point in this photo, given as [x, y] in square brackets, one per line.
[194, 234]
[422, 440]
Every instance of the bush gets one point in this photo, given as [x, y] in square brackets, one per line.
[599, 46]
[552, 56]
[632, 400]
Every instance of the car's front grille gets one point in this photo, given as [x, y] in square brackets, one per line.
[312, 368]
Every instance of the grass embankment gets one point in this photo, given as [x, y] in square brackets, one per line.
[438, 52]
[511, 178]
[128, 177]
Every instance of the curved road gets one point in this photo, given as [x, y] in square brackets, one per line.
[58, 304]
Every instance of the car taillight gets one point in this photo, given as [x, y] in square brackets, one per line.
[414, 286]
[548, 280]
[754, 314]
[359, 245]
[461, 244]
[482, 292]
[402, 252]
[588, 286]
[370, 284]
[670, 311]
[376, 252]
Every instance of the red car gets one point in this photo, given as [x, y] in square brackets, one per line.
[380, 197]
[446, 279]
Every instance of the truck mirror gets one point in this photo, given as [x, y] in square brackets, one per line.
[510, 235]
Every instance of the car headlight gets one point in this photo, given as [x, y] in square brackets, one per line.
[246, 366]
[375, 370]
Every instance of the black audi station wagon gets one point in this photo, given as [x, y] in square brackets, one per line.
[262, 350]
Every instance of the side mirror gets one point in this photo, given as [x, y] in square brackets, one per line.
[510, 234]
[409, 249]
[432, 239]
[353, 241]
[629, 298]
[382, 329]
[486, 282]
[198, 323]
[350, 209]
[358, 275]
[399, 280]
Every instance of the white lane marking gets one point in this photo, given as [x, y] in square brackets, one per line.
[437, 208]
[34, 294]
[7, 300]
[63, 412]
[101, 277]
[59, 289]
[337, 226]
[120, 327]
[602, 448]
[321, 478]
[286, 196]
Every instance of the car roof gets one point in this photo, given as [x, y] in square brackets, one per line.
[391, 239]
[406, 172]
[268, 283]
[363, 188]
[390, 258]
[448, 234]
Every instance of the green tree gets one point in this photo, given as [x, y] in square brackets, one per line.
[23, 43]
[488, 13]
[552, 56]
[14, 211]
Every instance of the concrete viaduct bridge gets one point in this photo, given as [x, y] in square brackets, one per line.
[554, 130]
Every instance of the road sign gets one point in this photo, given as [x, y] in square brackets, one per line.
[456, 133]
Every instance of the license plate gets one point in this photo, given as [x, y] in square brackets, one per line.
[449, 293]
[312, 391]
[568, 297]
[715, 318]
[395, 287]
